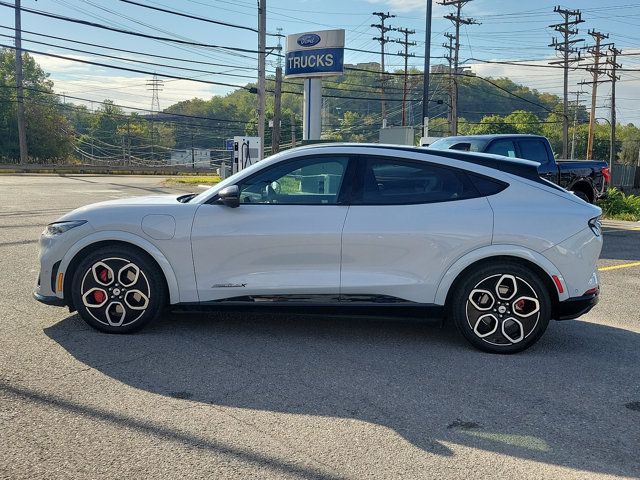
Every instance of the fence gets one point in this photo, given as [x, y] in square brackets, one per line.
[625, 176]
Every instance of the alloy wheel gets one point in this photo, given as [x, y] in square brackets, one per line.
[503, 309]
[115, 292]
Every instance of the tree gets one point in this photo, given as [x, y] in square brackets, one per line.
[49, 134]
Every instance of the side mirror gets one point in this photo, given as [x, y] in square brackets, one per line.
[230, 196]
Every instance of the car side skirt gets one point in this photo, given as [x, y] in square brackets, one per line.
[335, 305]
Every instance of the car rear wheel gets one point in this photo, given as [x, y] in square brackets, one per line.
[501, 308]
[118, 290]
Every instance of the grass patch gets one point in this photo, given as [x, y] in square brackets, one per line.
[193, 180]
[620, 206]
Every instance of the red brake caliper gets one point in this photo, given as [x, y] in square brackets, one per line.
[104, 275]
[520, 305]
[99, 296]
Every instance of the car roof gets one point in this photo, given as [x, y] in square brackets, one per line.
[492, 136]
[515, 166]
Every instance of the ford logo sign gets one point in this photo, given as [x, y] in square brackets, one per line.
[308, 40]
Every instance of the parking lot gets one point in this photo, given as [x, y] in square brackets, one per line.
[240, 395]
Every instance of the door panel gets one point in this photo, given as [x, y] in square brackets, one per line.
[407, 224]
[267, 249]
[403, 250]
[283, 239]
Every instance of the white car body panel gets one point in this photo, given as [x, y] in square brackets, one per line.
[267, 249]
[502, 250]
[411, 252]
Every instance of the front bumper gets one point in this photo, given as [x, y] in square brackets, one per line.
[50, 300]
[575, 307]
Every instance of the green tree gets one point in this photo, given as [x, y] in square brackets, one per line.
[49, 134]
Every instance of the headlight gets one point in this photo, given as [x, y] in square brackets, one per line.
[596, 226]
[59, 228]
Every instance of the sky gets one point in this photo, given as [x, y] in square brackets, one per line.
[508, 30]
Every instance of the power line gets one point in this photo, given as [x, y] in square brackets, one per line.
[126, 32]
[193, 17]
[134, 70]
[240, 67]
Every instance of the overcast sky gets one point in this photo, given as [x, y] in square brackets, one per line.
[512, 30]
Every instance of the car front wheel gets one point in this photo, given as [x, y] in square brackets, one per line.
[118, 290]
[501, 308]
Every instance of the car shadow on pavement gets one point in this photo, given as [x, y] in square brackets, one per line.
[566, 401]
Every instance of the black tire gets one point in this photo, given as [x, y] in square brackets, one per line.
[118, 289]
[582, 196]
[512, 323]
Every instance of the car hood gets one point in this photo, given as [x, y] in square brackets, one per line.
[146, 202]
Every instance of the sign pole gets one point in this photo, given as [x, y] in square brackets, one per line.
[312, 109]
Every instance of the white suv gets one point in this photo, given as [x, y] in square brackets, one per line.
[475, 238]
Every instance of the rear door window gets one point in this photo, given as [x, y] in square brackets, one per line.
[390, 181]
[505, 148]
[533, 149]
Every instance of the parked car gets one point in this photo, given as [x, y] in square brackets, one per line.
[340, 228]
[588, 179]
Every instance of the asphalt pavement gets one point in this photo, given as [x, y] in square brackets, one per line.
[239, 395]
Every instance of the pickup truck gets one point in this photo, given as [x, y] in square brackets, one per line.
[587, 179]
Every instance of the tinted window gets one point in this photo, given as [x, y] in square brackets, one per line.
[307, 181]
[455, 143]
[487, 186]
[533, 149]
[392, 182]
[502, 147]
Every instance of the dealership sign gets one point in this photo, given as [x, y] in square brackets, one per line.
[315, 54]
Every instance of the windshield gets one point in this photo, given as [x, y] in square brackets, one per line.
[460, 143]
[233, 179]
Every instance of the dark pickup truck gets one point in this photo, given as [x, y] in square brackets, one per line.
[588, 179]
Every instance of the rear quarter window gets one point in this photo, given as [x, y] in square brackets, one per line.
[533, 149]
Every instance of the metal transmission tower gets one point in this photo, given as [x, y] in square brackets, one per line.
[569, 54]
[155, 85]
[383, 39]
[457, 20]
[597, 70]
[406, 44]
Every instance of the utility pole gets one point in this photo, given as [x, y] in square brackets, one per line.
[566, 48]
[450, 79]
[596, 71]
[383, 39]
[457, 20]
[613, 66]
[406, 44]
[22, 126]
[277, 101]
[427, 70]
[262, 55]
[575, 121]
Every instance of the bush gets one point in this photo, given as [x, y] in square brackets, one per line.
[620, 206]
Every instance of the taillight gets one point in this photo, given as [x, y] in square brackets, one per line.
[606, 174]
[596, 226]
